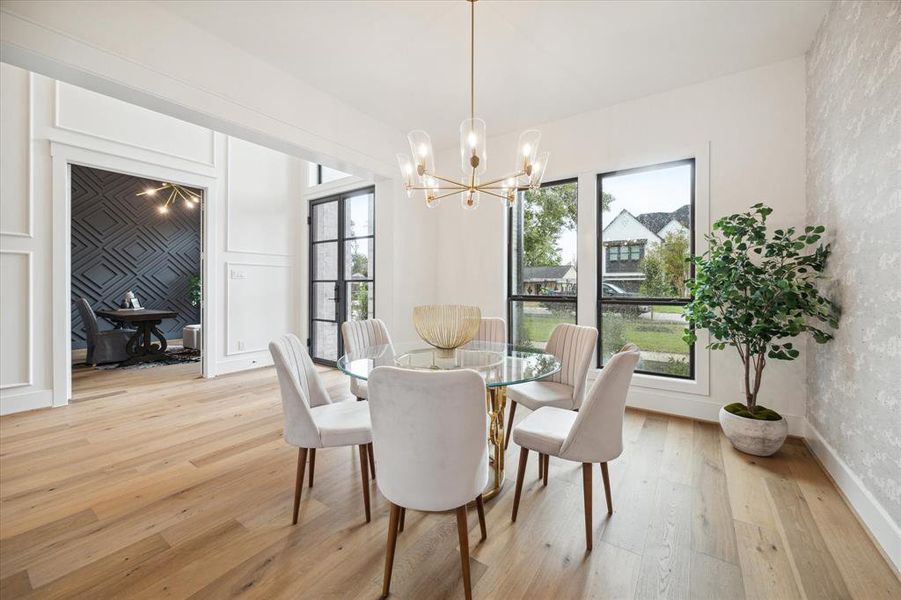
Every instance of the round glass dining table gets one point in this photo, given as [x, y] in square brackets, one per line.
[499, 365]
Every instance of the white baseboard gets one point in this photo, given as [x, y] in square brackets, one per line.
[871, 513]
[233, 365]
[10, 403]
[693, 407]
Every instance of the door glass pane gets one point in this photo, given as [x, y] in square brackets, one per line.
[325, 221]
[533, 322]
[358, 215]
[325, 260]
[360, 301]
[323, 301]
[657, 330]
[358, 263]
[646, 232]
[543, 251]
[325, 340]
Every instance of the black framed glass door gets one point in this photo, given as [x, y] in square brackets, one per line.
[342, 268]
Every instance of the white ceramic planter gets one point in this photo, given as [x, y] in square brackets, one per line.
[752, 436]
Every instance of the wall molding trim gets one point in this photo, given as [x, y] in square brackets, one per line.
[26, 401]
[58, 124]
[29, 257]
[223, 366]
[872, 515]
[29, 175]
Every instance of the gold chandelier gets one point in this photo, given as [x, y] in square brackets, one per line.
[176, 192]
[420, 172]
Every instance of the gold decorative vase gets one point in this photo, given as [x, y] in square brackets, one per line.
[447, 326]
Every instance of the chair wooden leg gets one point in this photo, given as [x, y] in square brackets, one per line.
[312, 464]
[480, 508]
[510, 424]
[540, 466]
[392, 544]
[520, 474]
[586, 490]
[463, 534]
[364, 472]
[606, 476]
[403, 516]
[371, 461]
[298, 483]
[547, 465]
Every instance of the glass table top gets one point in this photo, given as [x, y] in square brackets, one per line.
[499, 364]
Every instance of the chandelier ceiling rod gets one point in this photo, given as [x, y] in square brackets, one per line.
[420, 174]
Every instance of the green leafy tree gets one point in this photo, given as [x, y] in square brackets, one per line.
[665, 266]
[751, 291]
[360, 298]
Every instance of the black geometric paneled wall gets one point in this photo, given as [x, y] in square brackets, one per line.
[121, 242]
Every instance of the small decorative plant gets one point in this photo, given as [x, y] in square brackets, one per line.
[195, 290]
[751, 292]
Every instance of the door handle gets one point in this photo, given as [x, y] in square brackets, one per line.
[337, 300]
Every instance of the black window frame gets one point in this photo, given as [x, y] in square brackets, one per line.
[511, 297]
[341, 284]
[601, 301]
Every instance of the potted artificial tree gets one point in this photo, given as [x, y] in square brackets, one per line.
[752, 291]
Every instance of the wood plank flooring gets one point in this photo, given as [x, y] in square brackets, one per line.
[158, 484]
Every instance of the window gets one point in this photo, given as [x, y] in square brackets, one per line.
[542, 285]
[645, 236]
[319, 174]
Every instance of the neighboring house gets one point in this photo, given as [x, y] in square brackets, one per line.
[549, 280]
[628, 237]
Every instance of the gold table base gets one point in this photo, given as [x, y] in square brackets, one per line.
[496, 400]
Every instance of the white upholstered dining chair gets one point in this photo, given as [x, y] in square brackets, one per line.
[432, 436]
[359, 335]
[492, 329]
[573, 345]
[312, 420]
[592, 435]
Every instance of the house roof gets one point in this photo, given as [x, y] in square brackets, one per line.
[655, 221]
[545, 273]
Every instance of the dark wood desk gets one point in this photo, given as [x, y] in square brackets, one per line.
[140, 347]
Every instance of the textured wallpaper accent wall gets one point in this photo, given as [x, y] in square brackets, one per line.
[854, 189]
[121, 242]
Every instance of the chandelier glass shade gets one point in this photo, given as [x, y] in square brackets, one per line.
[419, 171]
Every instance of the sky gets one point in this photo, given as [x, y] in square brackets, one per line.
[660, 190]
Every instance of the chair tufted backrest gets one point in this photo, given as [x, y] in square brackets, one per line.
[363, 334]
[573, 345]
[88, 320]
[597, 434]
[359, 335]
[301, 389]
[430, 436]
[492, 329]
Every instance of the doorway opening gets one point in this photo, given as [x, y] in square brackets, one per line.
[136, 279]
[342, 268]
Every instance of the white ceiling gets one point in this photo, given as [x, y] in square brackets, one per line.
[407, 63]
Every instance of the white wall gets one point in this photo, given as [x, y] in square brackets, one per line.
[252, 225]
[746, 131]
[147, 55]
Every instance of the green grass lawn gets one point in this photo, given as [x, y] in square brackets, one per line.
[651, 336]
[667, 309]
[656, 337]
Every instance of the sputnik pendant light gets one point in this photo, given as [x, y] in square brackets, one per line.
[176, 192]
[419, 173]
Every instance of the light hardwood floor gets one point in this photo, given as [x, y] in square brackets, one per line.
[157, 484]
